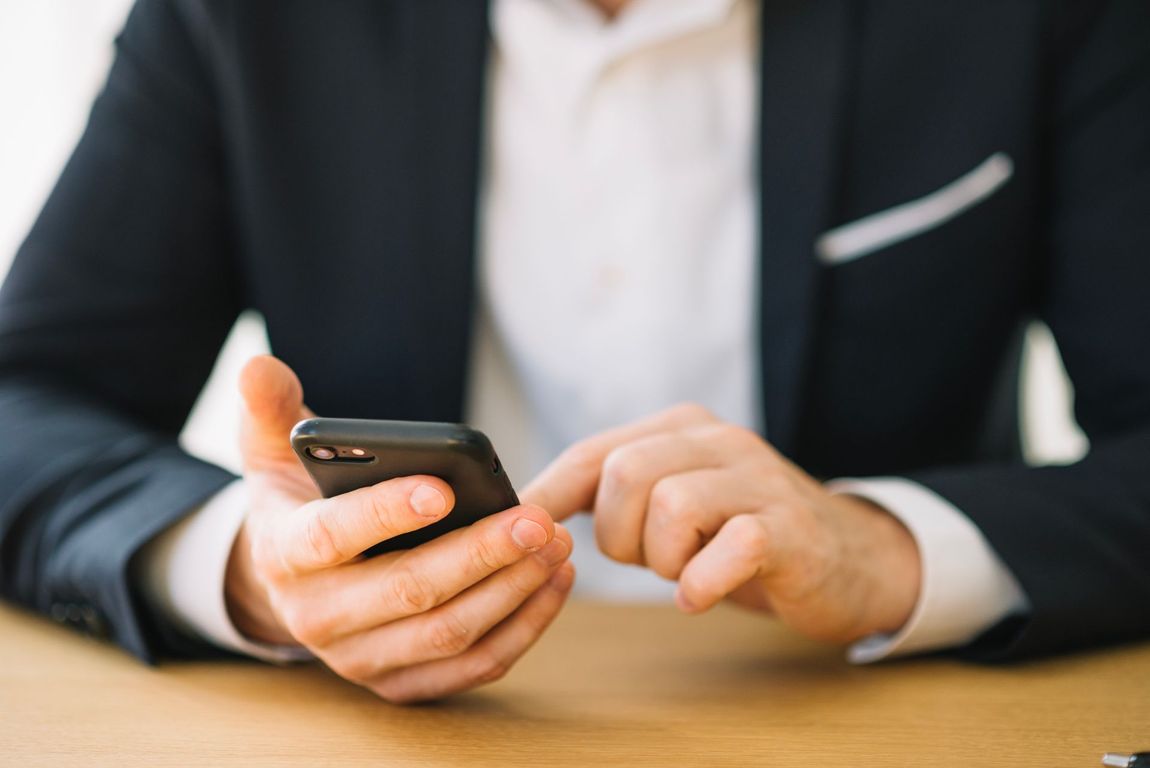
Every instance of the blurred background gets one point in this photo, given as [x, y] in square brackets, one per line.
[54, 55]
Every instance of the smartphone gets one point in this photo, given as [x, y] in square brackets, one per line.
[342, 455]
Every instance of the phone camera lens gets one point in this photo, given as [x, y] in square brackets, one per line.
[323, 453]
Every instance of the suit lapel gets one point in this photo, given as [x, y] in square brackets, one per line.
[804, 58]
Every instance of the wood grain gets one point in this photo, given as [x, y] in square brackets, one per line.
[609, 685]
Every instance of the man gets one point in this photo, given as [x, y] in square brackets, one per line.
[824, 221]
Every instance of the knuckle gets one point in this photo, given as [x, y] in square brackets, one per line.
[378, 507]
[749, 536]
[623, 466]
[690, 412]
[740, 438]
[410, 592]
[483, 554]
[448, 636]
[319, 539]
[670, 502]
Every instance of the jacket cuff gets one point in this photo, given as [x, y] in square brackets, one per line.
[966, 588]
[183, 573]
[89, 582]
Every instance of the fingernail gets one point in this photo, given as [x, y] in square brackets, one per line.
[684, 604]
[428, 501]
[555, 552]
[529, 534]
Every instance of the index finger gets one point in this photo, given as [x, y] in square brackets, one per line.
[327, 532]
[569, 484]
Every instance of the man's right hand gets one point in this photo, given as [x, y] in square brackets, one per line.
[446, 616]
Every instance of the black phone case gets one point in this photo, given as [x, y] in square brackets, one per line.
[463, 457]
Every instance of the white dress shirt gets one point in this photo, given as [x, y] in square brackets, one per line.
[618, 272]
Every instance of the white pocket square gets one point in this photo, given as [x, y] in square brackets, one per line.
[885, 228]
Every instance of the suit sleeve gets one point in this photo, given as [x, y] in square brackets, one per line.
[1077, 537]
[110, 321]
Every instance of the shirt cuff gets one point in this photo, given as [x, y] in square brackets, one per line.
[966, 588]
[184, 571]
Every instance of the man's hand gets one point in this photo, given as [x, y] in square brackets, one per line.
[446, 616]
[716, 508]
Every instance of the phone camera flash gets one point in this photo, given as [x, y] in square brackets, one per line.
[358, 452]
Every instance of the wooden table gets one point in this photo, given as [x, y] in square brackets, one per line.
[609, 685]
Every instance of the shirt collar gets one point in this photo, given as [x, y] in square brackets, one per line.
[577, 26]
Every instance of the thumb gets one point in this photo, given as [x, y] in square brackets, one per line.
[273, 403]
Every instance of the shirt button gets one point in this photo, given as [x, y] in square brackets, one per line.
[93, 622]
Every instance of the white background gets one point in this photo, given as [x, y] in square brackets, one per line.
[54, 55]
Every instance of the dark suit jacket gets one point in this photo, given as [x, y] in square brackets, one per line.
[319, 162]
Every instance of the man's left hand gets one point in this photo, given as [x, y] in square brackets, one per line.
[716, 508]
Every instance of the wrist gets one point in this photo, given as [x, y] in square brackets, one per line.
[248, 602]
[886, 564]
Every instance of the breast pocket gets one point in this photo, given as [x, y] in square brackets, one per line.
[886, 228]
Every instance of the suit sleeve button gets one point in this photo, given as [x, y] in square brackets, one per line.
[93, 622]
